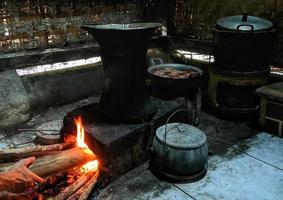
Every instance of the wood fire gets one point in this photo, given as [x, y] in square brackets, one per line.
[70, 169]
[92, 165]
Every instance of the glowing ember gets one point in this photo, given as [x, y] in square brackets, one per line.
[92, 165]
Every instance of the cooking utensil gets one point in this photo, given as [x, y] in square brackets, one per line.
[169, 88]
[243, 43]
[123, 48]
[49, 132]
[179, 151]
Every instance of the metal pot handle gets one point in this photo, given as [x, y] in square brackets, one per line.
[241, 25]
[188, 54]
[153, 61]
[167, 121]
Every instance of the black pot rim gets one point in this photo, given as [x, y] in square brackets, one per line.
[176, 66]
[122, 27]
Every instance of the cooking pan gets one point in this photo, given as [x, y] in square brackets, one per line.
[169, 88]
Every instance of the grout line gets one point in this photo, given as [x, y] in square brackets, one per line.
[183, 191]
[261, 160]
[229, 145]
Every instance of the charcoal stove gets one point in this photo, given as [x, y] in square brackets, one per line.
[231, 94]
[242, 49]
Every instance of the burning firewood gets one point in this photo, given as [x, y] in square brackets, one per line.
[52, 164]
[68, 159]
[77, 185]
[37, 151]
[84, 192]
[61, 168]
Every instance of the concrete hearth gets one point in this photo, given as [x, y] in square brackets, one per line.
[121, 147]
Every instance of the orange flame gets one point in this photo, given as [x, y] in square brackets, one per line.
[80, 132]
[92, 165]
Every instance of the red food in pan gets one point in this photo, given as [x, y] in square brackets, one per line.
[173, 73]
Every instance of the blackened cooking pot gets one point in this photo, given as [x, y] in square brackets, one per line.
[169, 88]
[179, 152]
[243, 43]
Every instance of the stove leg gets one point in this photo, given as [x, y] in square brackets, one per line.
[198, 106]
[189, 114]
[193, 107]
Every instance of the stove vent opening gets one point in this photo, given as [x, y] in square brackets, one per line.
[237, 97]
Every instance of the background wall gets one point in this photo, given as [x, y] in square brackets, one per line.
[30, 24]
[196, 18]
[39, 24]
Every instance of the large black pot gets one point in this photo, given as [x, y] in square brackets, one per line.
[123, 48]
[170, 88]
[243, 43]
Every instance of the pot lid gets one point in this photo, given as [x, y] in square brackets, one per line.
[180, 135]
[244, 23]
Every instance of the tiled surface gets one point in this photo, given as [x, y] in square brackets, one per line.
[242, 177]
[248, 171]
[267, 148]
[171, 194]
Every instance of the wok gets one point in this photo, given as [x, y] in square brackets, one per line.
[169, 88]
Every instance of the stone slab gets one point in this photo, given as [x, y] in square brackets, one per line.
[14, 102]
[64, 86]
[273, 91]
[23, 138]
[119, 146]
[112, 138]
[46, 56]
